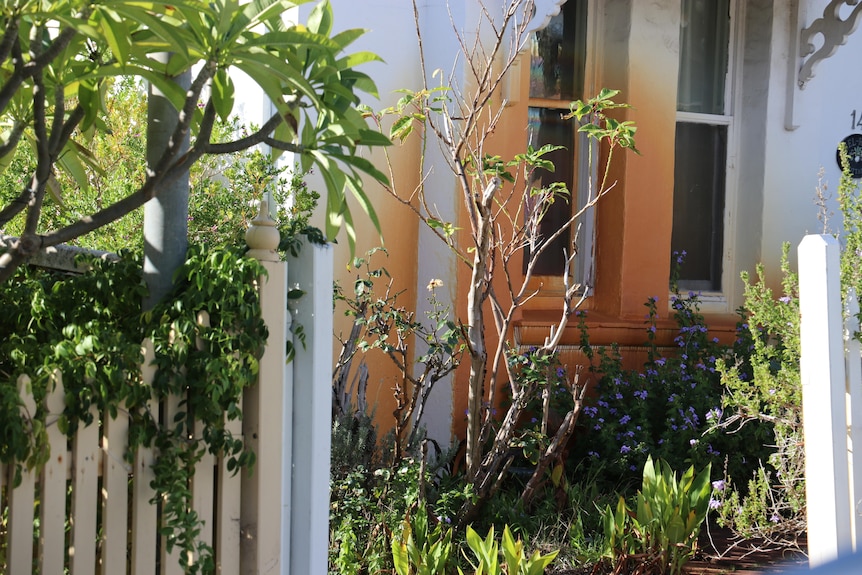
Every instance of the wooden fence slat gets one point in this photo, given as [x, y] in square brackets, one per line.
[144, 514]
[853, 364]
[203, 482]
[52, 520]
[20, 553]
[203, 490]
[85, 465]
[115, 489]
[171, 560]
[228, 511]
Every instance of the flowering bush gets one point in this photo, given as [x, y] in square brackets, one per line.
[668, 409]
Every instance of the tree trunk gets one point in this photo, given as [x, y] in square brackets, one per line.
[166, 215]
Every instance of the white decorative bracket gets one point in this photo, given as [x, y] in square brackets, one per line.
[543, 11]
[804, 55]
[835, 32]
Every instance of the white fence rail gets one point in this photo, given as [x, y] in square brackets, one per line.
[88, 511]
[831, 370]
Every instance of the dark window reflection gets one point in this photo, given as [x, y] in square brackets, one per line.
[698, 203]
[546, 126]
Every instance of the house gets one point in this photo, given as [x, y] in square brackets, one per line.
[738, 105]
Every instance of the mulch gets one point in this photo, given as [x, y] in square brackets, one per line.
[721, 553]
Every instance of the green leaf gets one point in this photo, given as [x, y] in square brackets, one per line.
[372, 138]
[357, 58]
[399, 557]
[401, 128]
[347, 37]
[116, 33]
[320, 19]
[223, 94]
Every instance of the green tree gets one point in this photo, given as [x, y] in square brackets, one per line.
[58, 60]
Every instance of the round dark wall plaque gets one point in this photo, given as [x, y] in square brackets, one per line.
[854, 150]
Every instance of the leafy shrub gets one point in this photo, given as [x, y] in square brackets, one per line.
[660, 534]
[416, 549]
[364, 504]
[770, 502]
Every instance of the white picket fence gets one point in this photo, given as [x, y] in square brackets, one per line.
[252, 521]
[831, 370]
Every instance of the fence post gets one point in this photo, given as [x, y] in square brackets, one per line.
[262, 405]
[311, 272]
[823, 400]
[853, 362]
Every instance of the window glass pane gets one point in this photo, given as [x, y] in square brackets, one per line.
[546, 126]
[703, 55]
[557, 54]
[698, 204]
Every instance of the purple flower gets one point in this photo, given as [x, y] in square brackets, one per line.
[719, 485]
[625, 419]
[785, 299]
[625, 449]
[775, 518]
[714, 503]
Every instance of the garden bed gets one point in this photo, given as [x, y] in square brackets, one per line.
[720, 553]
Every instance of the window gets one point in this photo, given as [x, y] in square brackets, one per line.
[557, 72]
[704, 128]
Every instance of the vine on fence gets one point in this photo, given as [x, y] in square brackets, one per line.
[90, 328]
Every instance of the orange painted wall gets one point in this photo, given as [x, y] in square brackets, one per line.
[640, 58]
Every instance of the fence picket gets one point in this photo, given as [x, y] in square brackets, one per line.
[20, 552]
[203, 490]
[202, 482]
[853, 362]
[170, 559]
[115, 488]
[52, 519]
[144, 517]
[227, 542]
[85, 484]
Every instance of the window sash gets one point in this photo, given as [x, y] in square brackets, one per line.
[704, 195]
[551, 90]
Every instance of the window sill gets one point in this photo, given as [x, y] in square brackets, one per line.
[710, 303]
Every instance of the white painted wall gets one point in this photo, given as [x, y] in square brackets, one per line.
[822, 111]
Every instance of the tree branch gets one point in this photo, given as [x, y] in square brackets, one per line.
[258, 137]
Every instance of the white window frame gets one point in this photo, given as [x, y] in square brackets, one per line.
[718, 301]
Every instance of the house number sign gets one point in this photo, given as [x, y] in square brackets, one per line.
[854, 147]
